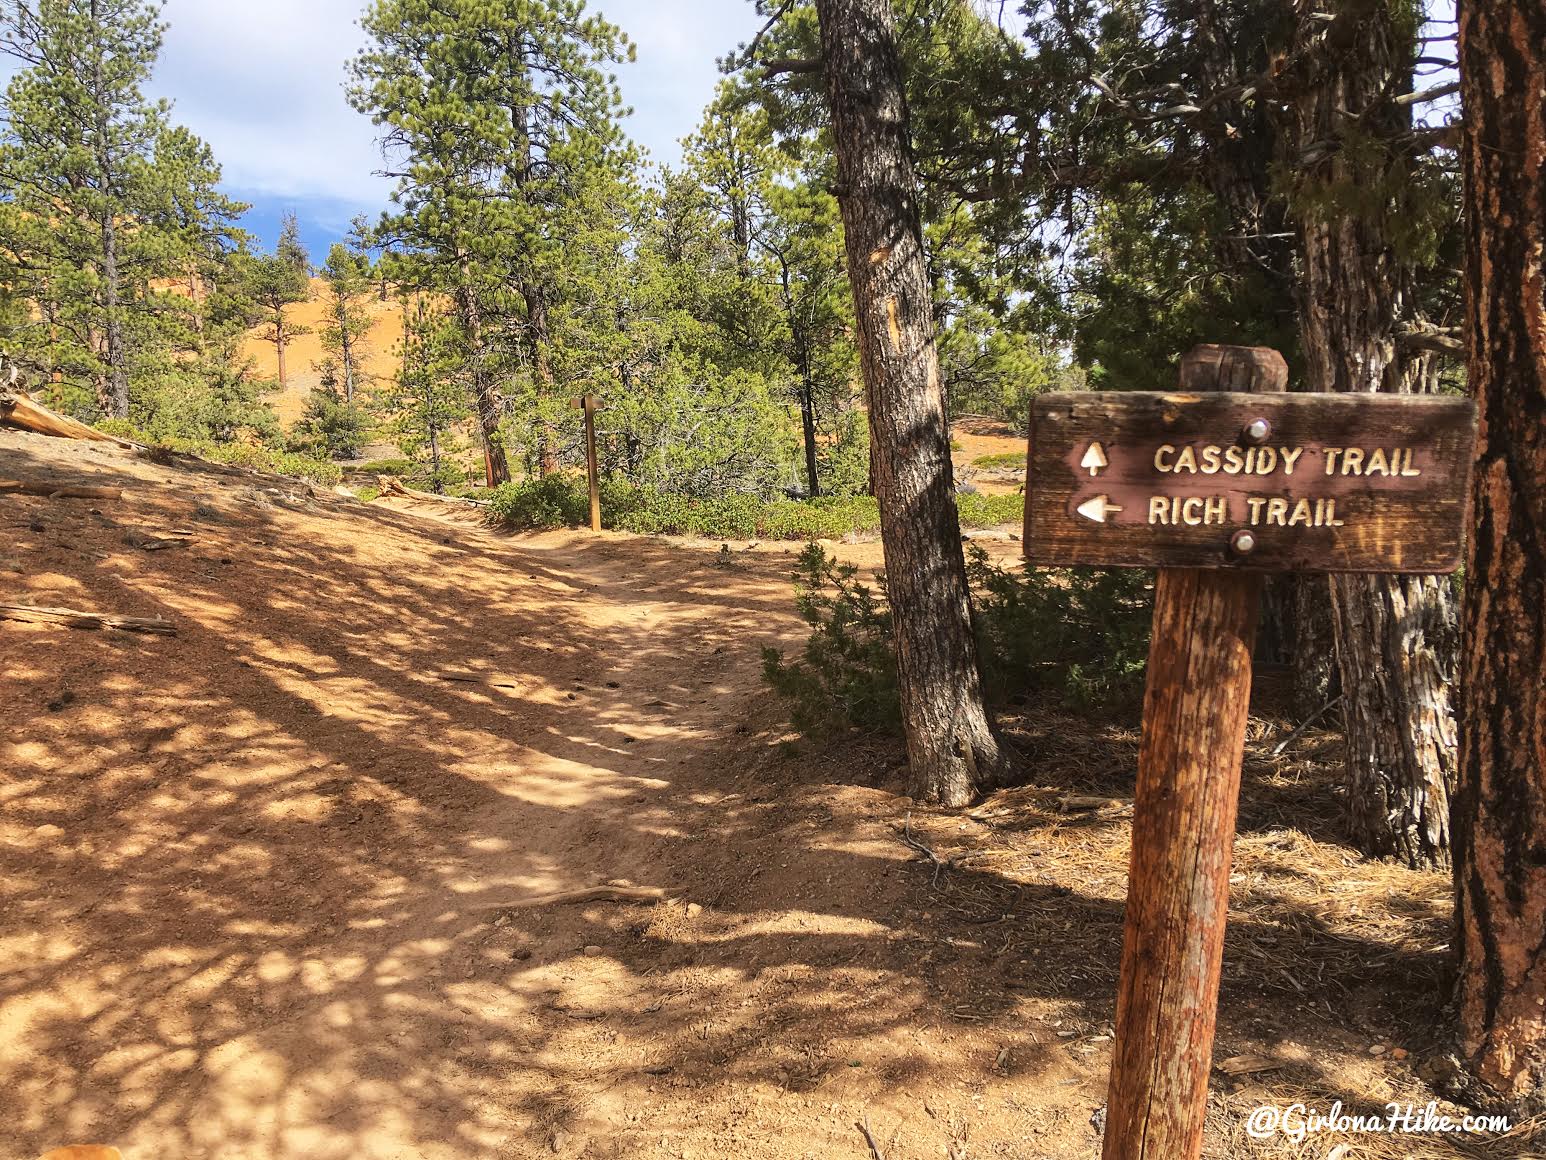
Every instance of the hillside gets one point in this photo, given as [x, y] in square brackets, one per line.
[305, 351]
[272, 886]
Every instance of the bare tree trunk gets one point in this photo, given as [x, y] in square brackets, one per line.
[346, 344]
[112, 321]
[496, 466]
[1396, 635]
[280, 342]
[951, 745]
[117, 370]
[808, 432]
[1500, 810]
[807, 389]
[541, 370]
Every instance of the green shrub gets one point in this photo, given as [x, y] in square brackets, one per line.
[330, 428]
[1014, 459]
[846, 675]
[266, 459]
[553, 501]
[401, 467]
[988, 511]
[1081, 633]
[562, 500]
[120, 429]
[254, 456]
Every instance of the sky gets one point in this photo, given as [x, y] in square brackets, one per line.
[262, 82]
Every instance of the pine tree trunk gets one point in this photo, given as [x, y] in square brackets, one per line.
[541, 370]
[1500, 811]
[1395, 635]
[112, 291]
[346, 344]
[496, 466]
[952, 749]
[280, 343]
[1316, 680]
[808, 431]
[112, 324]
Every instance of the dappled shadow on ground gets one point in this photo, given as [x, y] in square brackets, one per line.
[253, 876]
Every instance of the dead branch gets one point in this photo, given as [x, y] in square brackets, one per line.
[791, 66]
[70, 618]
[58, 490]
[1305, 724]
[590, 894]
[942, 866]
[1425, 336]
[869, 1137]
[481, 679]
[1077, 801]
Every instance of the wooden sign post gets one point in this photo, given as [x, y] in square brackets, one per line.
[590, 406]
[1214, 486]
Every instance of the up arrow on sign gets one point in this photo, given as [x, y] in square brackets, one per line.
[1094, 459]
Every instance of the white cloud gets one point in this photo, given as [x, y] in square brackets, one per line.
[262, 82]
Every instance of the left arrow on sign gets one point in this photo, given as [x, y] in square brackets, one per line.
[1097, 509]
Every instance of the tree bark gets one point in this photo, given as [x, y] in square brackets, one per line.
[952, 748]
[808, 432]
[1500, 810]
[1395, 635]
[346, 347]
[541, 370]
[279, 342]
[112, 321]
[1316, 680]
[496, 465]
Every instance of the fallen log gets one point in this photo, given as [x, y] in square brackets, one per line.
[20, 409]
[391, 485]
[58, 490]
[590, 894]
[70, 618]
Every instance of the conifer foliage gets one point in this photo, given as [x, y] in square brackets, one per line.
[104, 203]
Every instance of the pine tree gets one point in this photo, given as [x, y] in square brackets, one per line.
[496, 118]
[1369, 228]
[101, 198]
[425, 401]
[803, 238]
[290, 249]
[790, 305]
[952, 748]
[348, 277]
[1500, 811]
[274, 282]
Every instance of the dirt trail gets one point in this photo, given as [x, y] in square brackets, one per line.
[248, 868]
[250, 874]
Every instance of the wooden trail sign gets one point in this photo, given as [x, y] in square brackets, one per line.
[590, 405]
[1307, 483]
[1185, 482]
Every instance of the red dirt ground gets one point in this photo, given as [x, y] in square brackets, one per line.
[251, 875]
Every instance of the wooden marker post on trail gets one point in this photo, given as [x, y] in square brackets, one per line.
[1215, 485]
[589, 405]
